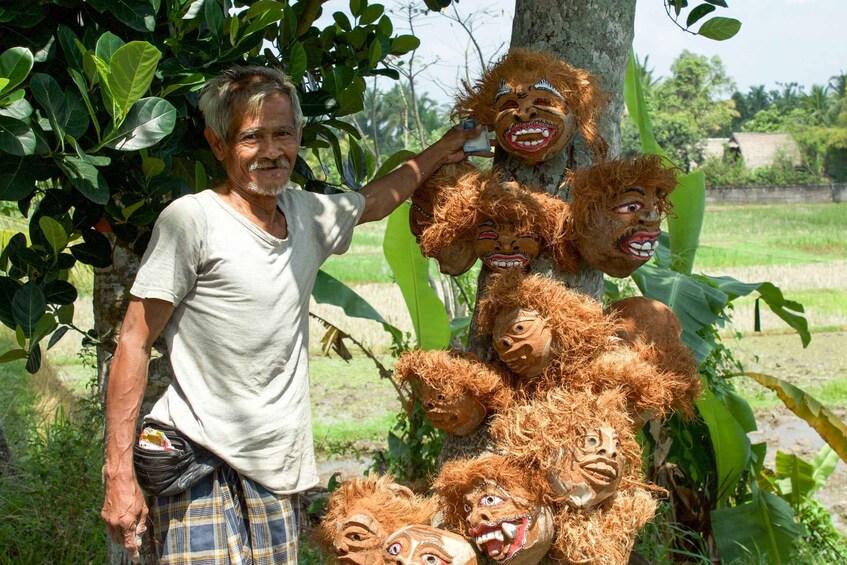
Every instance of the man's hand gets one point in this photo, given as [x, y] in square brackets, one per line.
[125, 514]
[451, 143]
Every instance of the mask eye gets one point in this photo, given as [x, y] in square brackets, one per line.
[629, 208]
[468, 508]
[490, 500]
[430, 559]
[592, 442]
[508, 105]
[543, 102]
[394, 549]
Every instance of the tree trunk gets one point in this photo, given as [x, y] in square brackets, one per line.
[595, 35]
[111, 293]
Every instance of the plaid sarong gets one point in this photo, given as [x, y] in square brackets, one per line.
[225, 519]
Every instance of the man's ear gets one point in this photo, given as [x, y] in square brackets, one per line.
[300, 135]
[217, 144]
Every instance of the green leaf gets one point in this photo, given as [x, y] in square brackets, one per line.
[33, 362]
[374, 53]
[764, 529]
[8, 288]
[329, 290]
[57, 335]
[95, 251]
[686, 221]
[799, 482]
[28, 306]
[49, 95]
[149, 121]
[403, 44]
[140, 15]
[87, 179]
[54, 232]
[107, 45]
[342, 21]
[60, 292]
[152, 167]
[17, 178]
[410, 268]
[185, 84]
[721, 3]
[371, 14]
[214, 18]
[719, 28]
[729, 441]
[698, 13]
[356, 7]
[831, 429]
[392, 162]
[16, 137]
[824, 463]
[15, 65]
[72, 54]
[131, 71]
[13, 355]
[45, 325]
[66, 314]
[297, 62]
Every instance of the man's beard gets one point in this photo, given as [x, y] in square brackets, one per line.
[273, 190]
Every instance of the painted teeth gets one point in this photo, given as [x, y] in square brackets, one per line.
[493, 535]
[507, 264]
[509, 530]
[646, 246]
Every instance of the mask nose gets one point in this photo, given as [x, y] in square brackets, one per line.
[651, 215]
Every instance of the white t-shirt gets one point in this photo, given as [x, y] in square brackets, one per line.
[238, 336]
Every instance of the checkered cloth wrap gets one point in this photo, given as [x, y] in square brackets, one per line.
[225, 519]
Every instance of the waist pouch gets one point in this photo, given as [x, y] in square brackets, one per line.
[166, 473]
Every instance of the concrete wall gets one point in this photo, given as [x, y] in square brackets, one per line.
[777, 194]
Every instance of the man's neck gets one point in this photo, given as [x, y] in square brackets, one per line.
[260, 209]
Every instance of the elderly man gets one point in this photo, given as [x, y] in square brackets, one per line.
[227, 276]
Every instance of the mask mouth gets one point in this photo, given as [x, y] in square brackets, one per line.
[502, 540]
[601, 471]
[503, 261]
[531, 136]
[518, 360]
[640, 245]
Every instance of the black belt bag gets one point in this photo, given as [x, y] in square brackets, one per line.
[166, 473]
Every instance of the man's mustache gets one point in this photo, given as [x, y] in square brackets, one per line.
[278, 163]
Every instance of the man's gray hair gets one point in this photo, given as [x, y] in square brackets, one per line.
[249, 85]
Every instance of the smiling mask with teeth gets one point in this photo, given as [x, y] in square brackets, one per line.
[536, 104]
[498, 505]
[507, 223]
[617, 211]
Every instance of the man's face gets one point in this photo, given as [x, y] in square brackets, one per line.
[261, 149]
[358, 540]
[533, 123]
[458, 416]
[592, 471]
[507, 529]
[425, 545]
[501, 247]
[523, 341]
[625, 236]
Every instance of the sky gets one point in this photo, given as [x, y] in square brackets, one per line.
[801, 41]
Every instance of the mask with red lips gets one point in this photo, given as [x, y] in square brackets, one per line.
[533, 122]
[501, 247]
[617, 210]
[507, 529]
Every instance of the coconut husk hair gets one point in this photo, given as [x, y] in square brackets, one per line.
[579, 88]
[390, 504]
[580, 329]
[605, 536]
[649, 322]
[478, 196]
[454, 374]
[597, 187]
[535, 432]
[461, 476]
[438, 185]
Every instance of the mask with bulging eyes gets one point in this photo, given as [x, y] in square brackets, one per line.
[590, 472]
[533, 122]
[507, 529]
[620, 239]
[523, 341]
[425, 545]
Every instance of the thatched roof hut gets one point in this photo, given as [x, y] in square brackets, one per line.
[762, 149]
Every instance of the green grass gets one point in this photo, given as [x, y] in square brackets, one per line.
[832, 393]
[744, 236]
[364, 261]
